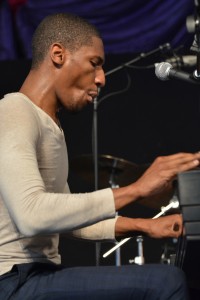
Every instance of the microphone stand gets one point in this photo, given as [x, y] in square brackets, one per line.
[96, 166]
[142, 55]
[95, 126]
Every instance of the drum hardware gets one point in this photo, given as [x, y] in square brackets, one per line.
[172, 259]
[114, 185]
[139, 260]
[168, 255]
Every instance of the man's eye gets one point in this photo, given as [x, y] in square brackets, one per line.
[94, 64]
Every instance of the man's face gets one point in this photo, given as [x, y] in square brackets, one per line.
[80, 76]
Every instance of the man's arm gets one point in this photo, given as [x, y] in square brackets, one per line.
[168, 226]
[157, 178]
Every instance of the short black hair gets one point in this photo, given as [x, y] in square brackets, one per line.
[70, 30]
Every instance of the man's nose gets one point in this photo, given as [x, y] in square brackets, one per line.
[100, 79]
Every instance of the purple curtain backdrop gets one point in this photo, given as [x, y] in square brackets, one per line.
[129, 26]
[7, 40]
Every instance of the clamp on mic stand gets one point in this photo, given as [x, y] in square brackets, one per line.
[197, 29]
[193, 25]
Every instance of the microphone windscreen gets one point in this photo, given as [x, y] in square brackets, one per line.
[162, 70]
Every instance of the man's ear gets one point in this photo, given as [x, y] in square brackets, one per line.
[58, 53]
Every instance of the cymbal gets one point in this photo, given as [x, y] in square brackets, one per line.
[116, 172]
[111, 170]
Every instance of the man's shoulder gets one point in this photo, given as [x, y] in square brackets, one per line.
[14, 100]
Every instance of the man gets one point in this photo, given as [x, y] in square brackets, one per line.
[35, 201]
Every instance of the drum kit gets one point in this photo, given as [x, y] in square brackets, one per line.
[116, 172]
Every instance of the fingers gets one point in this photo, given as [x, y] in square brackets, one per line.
[164, 170]
[177, 163]
[167, 226]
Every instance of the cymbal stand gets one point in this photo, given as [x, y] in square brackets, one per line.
[114, 186]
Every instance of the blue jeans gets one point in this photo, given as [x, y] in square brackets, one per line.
[49, 282]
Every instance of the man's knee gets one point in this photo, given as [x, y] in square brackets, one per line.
[173, 283]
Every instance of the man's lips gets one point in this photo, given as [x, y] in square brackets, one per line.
[92, 96]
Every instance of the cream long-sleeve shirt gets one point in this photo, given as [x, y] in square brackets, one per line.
[35, 202]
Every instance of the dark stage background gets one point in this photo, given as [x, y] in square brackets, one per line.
[152, 118]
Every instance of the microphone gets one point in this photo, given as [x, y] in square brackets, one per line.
[164, 71]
